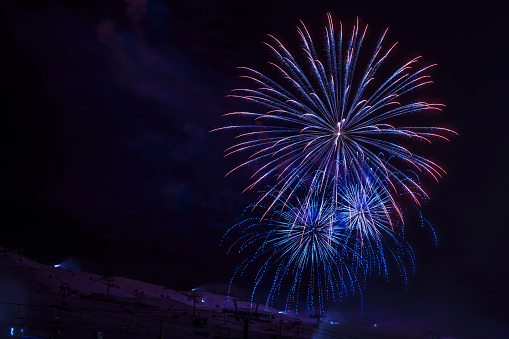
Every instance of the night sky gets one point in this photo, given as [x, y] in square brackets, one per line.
[107, 108]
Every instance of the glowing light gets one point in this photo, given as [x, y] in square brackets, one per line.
[12, 330]
[317, 242]
[327, 139]
[330, 115]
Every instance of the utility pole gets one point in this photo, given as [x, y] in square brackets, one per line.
[246, 327]
[297, 322]
[109, 281]
[194, 302]
[318, 316]
[161, 328]
[29, 315]
[64, 287]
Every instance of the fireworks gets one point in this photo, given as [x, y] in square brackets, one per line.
[320, 246]
[306, 241]
[323, 119]
[328, 137]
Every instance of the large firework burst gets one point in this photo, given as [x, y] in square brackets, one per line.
[331, 115]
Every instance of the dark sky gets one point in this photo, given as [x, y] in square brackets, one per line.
[107, 108]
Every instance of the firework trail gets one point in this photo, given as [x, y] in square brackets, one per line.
[331, 115]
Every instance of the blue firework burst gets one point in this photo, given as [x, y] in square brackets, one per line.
[320, 246]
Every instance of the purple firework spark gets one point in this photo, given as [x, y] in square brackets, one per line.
[332, 116]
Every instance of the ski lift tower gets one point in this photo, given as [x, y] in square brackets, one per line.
[193, 296]
[246, 314]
